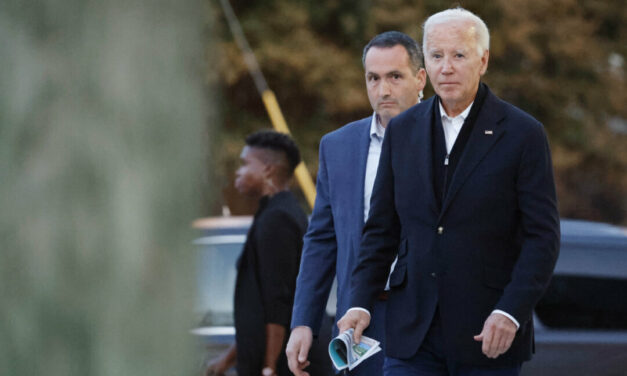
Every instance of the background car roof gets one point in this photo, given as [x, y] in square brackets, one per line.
[223, 225]
[593, 234]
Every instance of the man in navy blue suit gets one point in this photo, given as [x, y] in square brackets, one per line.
[349, 158]
[465, 198]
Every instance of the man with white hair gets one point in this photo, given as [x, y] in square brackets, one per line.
[465, 197]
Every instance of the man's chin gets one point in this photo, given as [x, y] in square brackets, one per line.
[388, 112]
[241, 190]
[449, 95]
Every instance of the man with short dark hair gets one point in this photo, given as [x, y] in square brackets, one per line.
[465, 197]
[268, 264]
[349, 158]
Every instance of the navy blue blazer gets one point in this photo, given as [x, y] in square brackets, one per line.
[492, 245]
[332, 240]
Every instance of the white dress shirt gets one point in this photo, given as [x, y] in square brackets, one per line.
[372, 164]
[452, 126]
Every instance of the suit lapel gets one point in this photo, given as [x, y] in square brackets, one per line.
[424, 153]
[485, 134]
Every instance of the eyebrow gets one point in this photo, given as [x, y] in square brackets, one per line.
[368, 74]
[459, 50]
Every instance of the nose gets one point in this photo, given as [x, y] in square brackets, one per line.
[384, 88]
[447, 66]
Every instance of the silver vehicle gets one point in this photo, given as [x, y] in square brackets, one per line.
[581, 322]
[217, 251]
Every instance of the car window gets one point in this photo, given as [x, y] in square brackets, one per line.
[589, 284]
[217, 256]
[584, 302]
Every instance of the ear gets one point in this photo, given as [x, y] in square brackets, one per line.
[422, 78]
[269, 170]
[484, 62]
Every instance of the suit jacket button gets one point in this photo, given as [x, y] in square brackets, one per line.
[433, 275]
[440, 230]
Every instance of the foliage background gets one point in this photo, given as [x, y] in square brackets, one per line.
[562, 61]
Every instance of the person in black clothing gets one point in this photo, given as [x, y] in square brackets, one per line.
[269, 262]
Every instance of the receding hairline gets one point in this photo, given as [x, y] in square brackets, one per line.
[409, 60]
[391, 39]
[481, 32]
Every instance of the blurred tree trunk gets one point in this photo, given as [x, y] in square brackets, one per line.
[102, 113]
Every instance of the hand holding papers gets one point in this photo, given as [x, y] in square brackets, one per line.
[344, 352]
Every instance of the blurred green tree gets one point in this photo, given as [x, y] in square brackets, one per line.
[102, 114]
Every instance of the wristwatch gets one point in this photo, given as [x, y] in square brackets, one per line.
[267, 371]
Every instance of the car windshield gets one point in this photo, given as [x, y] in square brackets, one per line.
[216, 276]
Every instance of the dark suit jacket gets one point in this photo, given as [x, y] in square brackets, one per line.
[331, 244]
[332, 240]
[492, 245]
[266, 278]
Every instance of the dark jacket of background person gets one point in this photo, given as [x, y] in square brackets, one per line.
[266, 278]
[489, 241]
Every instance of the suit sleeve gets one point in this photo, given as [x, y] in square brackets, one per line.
[380, 236]
[317, 268]
[537, 203]
[278, 242]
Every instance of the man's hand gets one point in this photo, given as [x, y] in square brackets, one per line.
[298, 348]
[356, 319]
[216, 367]
[219, 365]
[497, 335]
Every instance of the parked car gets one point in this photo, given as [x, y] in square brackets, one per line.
[218, 248]
[581, 322]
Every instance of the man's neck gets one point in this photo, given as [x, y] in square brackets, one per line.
[274, 187]
[383, 121]
[453, 109]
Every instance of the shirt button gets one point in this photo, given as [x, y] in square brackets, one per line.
[440, 230]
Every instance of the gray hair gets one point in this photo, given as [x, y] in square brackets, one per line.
[482, 35]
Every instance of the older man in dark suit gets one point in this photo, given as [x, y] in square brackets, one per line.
[465, 196]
